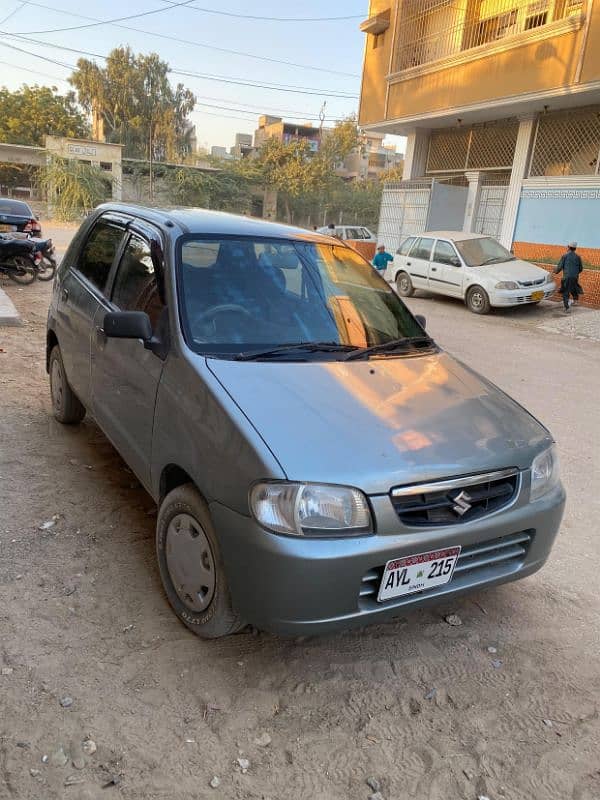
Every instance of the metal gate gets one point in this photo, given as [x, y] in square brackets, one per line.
[404, 210]
[490, 210]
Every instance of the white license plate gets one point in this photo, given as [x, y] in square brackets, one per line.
[417, 573]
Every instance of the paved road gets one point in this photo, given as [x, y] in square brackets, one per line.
[83, 615]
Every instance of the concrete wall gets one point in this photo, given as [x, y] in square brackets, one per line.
[376, 65]
[556, 216]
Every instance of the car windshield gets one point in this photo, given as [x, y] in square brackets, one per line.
[14, 208]
[479, 252]
[240, 295]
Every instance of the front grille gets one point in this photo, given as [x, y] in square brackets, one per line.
[455, 501]
[484, 560]
[537, 282]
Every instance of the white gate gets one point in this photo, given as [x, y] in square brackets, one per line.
[404, 210]
[490, 211]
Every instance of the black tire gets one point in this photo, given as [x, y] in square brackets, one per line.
[24, 272]
[47, 270]
[191, 566]
[478, 301]
[404, 285]
[66, 406]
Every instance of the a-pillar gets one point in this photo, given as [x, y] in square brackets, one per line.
[527, 125]
[473, 195]
[415, 158]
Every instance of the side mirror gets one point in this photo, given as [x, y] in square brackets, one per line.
[456, 262]
[127, 325]
[421, 320]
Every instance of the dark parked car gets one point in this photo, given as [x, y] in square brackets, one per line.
[317, 459]
[16, 215]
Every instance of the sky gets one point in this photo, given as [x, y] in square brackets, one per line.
[324, 57]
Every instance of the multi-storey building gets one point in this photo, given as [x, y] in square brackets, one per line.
[500, 104]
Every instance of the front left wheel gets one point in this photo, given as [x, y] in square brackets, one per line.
[191, 566]
[478, 301]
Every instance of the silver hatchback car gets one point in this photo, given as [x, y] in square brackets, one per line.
[318, 460]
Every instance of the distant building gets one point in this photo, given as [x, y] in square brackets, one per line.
[243, 145]
[500, 104]
[370, 159]
[217, 151]
[275, 128]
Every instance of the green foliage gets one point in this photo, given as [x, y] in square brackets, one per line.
[74, 188]
[226, 190]
[139, 107]
[31, 112]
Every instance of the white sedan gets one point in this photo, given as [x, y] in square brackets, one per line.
[472, 267]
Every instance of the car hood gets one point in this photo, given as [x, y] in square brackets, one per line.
[381, 422]
[514, 271]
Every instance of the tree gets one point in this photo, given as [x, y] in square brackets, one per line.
[31, 112]
[139, 108]
[74, 188]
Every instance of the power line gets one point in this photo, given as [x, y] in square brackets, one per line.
[110, 21]
[14, 11]
[95, 22]
[270, 19]
[281, 87]
[34, 72]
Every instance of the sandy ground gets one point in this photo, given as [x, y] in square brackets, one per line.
[424, 708]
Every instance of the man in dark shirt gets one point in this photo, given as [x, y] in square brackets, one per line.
[570, 265]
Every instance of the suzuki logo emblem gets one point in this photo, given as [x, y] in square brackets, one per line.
[462, 504]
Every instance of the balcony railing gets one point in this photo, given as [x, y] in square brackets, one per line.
[429, 30]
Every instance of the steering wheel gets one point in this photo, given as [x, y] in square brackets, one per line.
[222, 309]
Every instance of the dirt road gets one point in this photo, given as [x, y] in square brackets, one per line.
[504, 706]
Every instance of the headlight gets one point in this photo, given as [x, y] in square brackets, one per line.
[507, 285]
[310, 509]
[544, 473]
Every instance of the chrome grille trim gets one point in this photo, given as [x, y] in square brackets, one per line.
[453, 483]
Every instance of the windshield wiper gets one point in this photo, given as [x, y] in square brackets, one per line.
[495, 259]
[386, 347]
[307, 347]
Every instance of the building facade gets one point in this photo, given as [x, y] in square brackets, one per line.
[370, 159]
[276, 128]
[500, 104]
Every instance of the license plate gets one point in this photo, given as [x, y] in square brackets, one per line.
[417, 573]
[537, 295]
[4, 227]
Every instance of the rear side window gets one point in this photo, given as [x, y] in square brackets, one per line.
[445, 253]
[422, 249]
[405, 246]
[99, 252]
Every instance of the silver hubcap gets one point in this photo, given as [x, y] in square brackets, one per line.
[404, 284]
[190, 562]
[56, 385]
[477, 300]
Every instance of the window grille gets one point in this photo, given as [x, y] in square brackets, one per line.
[567, 143]
[429, 30]
[488, 146]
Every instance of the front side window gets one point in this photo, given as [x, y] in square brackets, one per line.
[99, 252]
[242, 294]
[404, 248]
[445, 254]
[422, 249]
[479, 252]
[135, 287]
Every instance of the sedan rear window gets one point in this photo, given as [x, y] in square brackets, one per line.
[15, 208]
[240, 294]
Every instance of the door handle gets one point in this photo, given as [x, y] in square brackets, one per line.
[65, 294]
[100, 332]
[408, 264]
[434, 269]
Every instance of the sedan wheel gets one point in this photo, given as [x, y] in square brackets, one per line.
[404, 285]
[477, 300]
[190, 562]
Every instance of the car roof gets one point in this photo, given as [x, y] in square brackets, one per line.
[455, 236]
[204, 221]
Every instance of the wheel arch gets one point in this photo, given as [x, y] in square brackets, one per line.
[171, 477]
[51, 342]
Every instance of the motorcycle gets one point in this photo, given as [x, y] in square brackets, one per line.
[47, 264]
[19, 259]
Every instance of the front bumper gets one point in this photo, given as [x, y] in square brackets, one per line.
[290, 585]
[518, 297]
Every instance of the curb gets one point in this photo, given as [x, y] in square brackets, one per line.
[9, 316]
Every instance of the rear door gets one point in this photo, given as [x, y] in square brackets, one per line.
[125, 375]
[81, 293]
[418, 262]
[446, 274]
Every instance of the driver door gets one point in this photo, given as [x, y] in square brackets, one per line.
[125, 376]
[447, 272]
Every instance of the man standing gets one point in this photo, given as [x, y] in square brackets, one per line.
[570, 265]
[382, 259]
